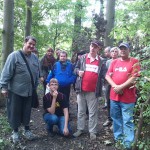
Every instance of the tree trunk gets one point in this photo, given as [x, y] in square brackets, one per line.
[77, 25]
[8, 30]
[110, 17]
[7, 35]
[28, 18]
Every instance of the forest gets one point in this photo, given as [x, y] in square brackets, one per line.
[71, 25]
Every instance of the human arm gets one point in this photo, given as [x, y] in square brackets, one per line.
[51, 74]
[7, 73]
[80, 66]
[51, 109]
[66, 115]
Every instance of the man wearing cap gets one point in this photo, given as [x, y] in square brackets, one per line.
[90, 69]
[121, 76]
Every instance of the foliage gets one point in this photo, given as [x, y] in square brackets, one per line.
[4, 128]
[52, 23]
[132, 23]
[143, 103]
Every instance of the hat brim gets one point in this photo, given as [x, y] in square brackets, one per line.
[95, 44]
[123, 45]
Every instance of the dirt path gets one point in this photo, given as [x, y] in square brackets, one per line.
[43, 142]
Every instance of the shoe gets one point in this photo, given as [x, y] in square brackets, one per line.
[104, 107]
[92, 136]
[51, 134]
[29, 135]
[15, 137]
[107, 123]
[78, 133]
[111, 127]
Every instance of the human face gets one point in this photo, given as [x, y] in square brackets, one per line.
[57, 53]
[107, 53]
[124, 52]
[62, 57]
[50, 53]
[53, 87]
[114, 53]
[29, 46]
[94, 49]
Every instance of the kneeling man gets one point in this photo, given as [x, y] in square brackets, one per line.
[56, 110]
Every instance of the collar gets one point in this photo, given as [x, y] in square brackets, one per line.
[91, 58]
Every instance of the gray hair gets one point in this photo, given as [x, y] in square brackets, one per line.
[113, 48]
[30, 37]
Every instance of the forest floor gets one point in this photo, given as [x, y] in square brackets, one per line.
[104, 139]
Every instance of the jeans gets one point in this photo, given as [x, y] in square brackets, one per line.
[123, 123]
[52, 119]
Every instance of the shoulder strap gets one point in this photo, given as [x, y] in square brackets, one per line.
[32, 81]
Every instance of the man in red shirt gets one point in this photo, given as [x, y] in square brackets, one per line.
[90, 69]
[121, 76]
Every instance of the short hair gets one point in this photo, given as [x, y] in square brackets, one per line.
[50, 50]
[63, 52]
[108, 48]
[113, 48]
[53, 80]
[30, 37]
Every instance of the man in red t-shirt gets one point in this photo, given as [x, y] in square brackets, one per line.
[121, 76]
[90, 69]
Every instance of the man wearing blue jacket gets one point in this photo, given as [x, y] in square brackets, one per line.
[63, 72]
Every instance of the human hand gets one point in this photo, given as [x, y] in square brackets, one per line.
[55, 93]
[41, 79]
[4, 92]
[81, 73]
[118, 89]
[66, 131]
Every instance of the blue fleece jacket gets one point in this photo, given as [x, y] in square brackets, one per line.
[65, 76]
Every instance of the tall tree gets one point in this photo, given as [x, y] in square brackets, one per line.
[110, 16]
[8, 30]
[77, 25]
[100, 22]
[28, 17]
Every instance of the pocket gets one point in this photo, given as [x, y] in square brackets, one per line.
[20, 67]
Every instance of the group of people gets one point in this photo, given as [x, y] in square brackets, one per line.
[89, 74]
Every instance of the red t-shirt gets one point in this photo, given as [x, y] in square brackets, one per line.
[90, 76]
[120, 71]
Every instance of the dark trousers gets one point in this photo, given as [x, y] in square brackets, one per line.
[18, 110]
[44, 86]
[66, 91]
[108, 87]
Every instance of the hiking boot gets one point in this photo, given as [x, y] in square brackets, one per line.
[29, 135]
[111, 127]
[78, 133]
[15, 137]
[107, 123]
[51, 134]
[92, 136]
[104, 107]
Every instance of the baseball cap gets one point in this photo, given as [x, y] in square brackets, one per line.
[97, 43]
[124, 45]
